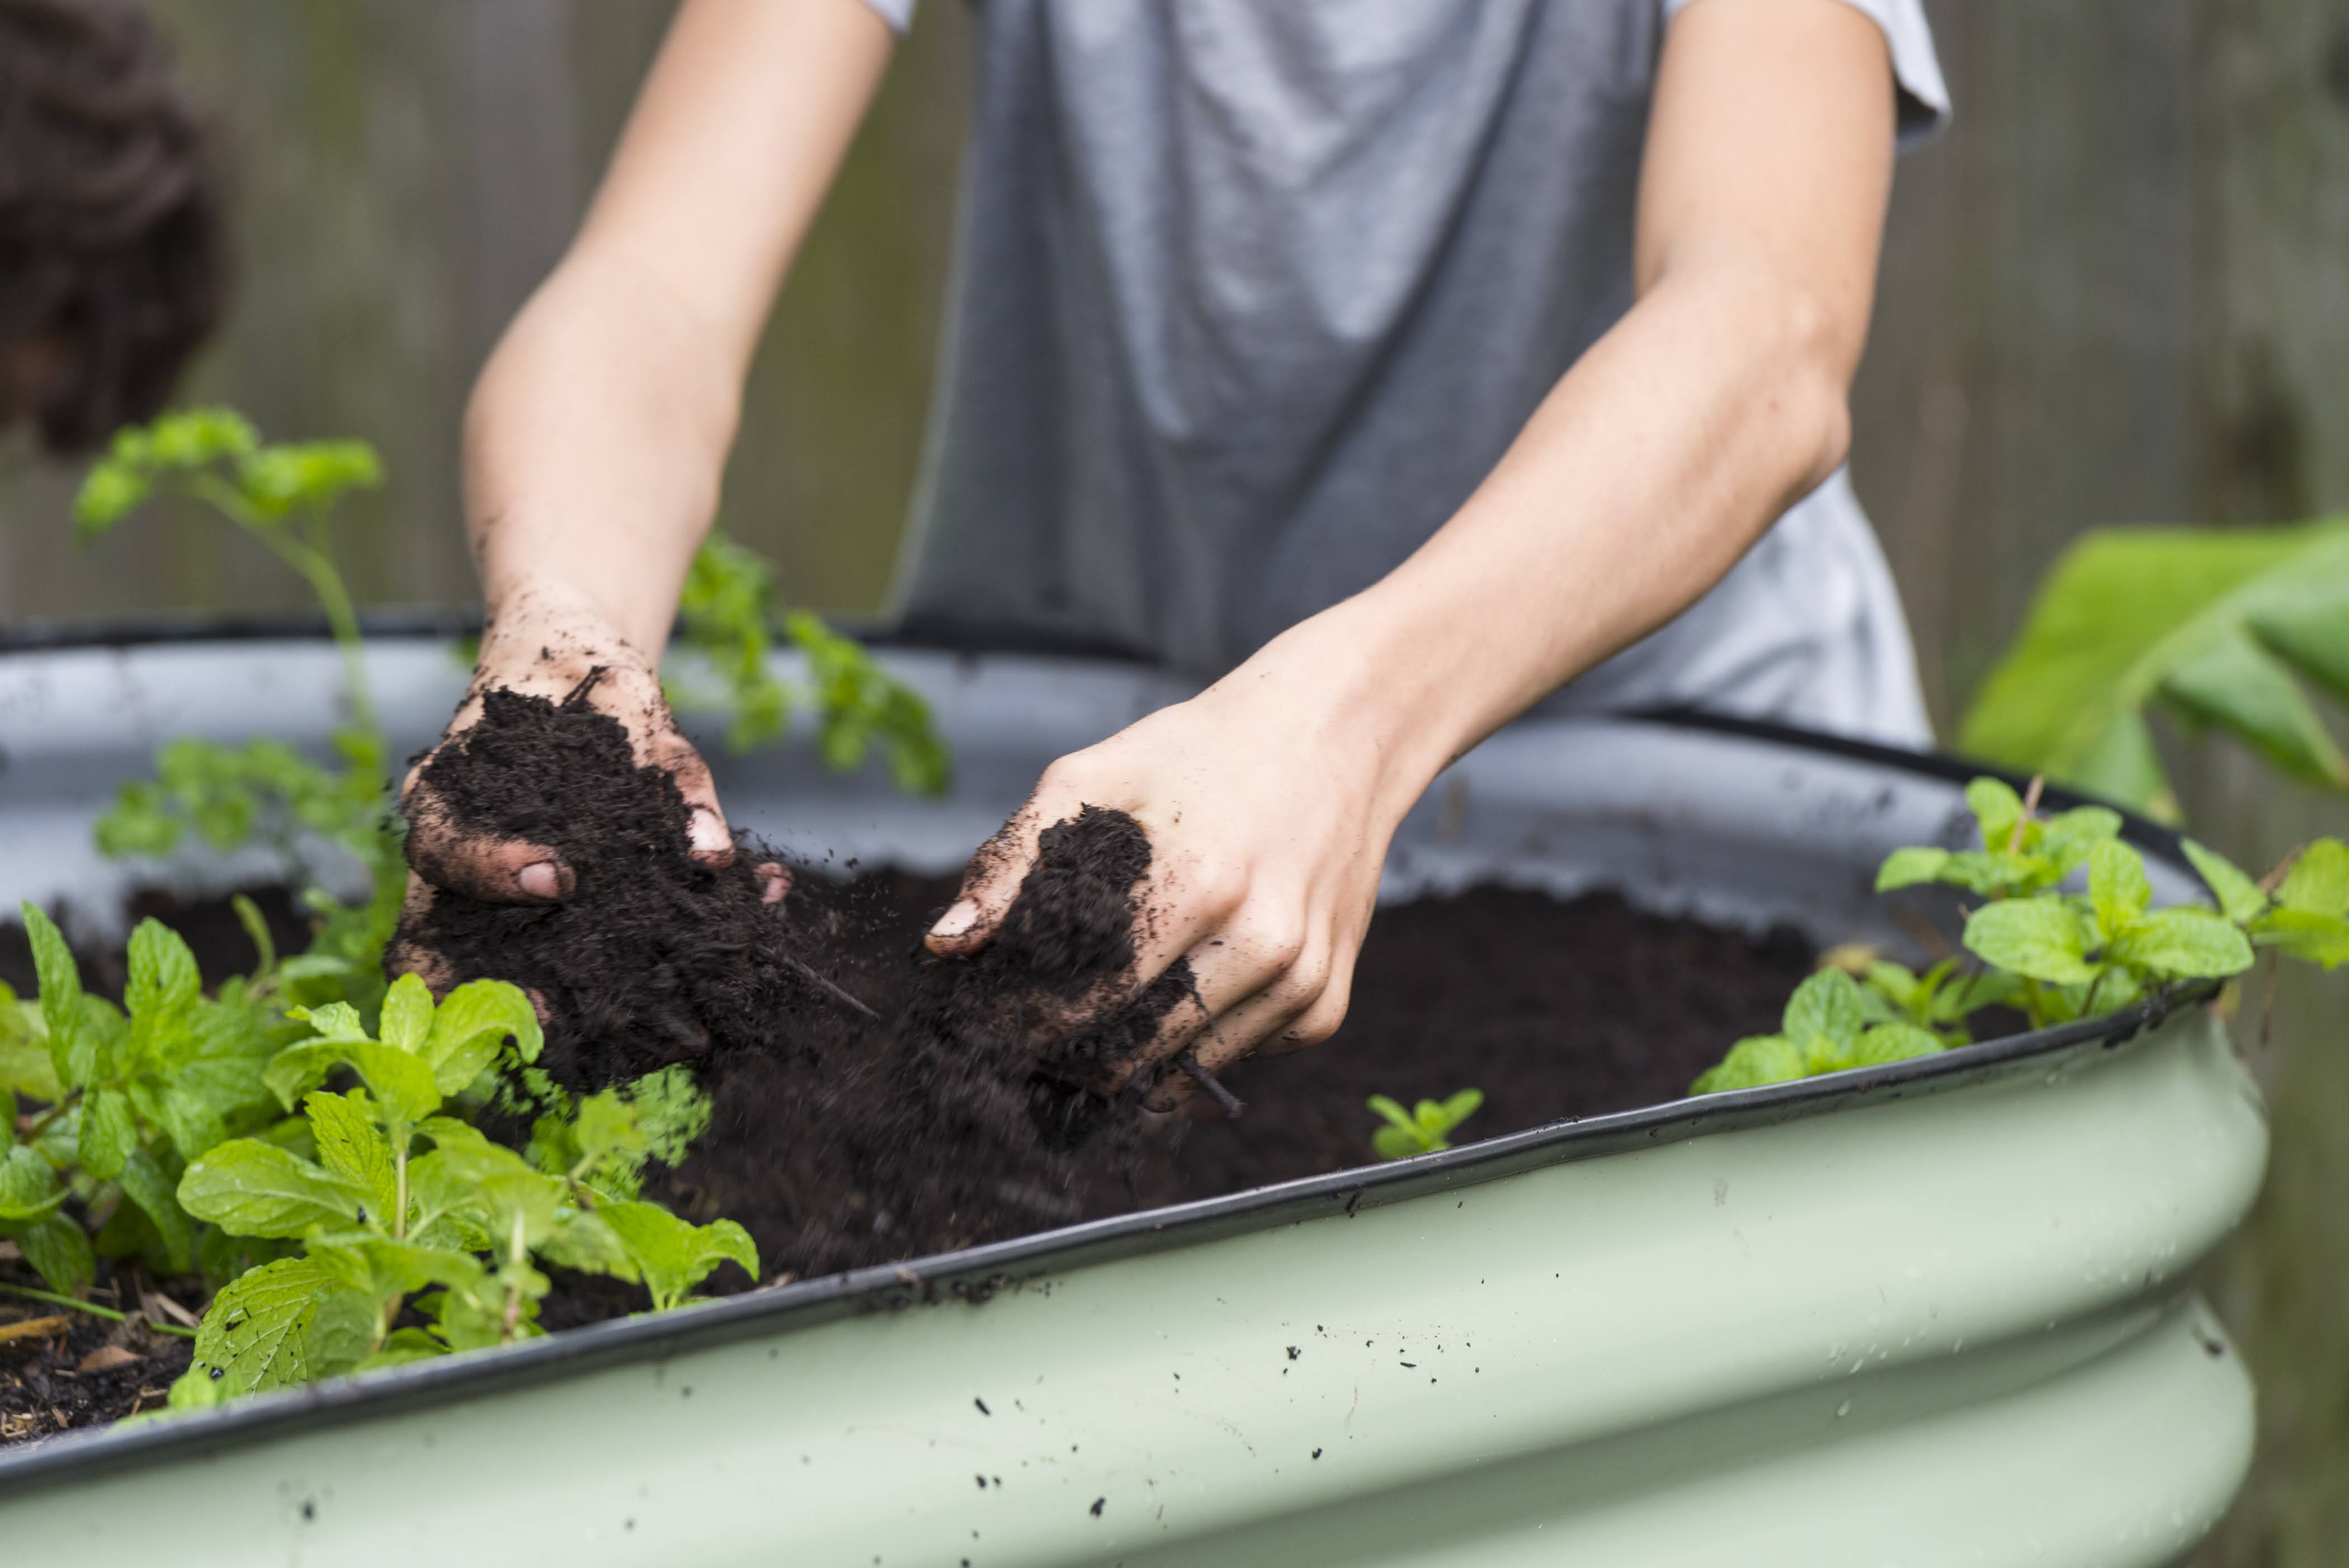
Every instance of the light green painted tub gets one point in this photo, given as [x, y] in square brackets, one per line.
[1938, 1313]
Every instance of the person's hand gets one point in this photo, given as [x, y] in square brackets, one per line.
[545, 640]
[1269, 799]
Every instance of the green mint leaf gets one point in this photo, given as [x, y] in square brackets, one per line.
[403, 1084]
[29, 1189]
[2311, 938]
[1826, 1007]
[405, 1346]
[163, 977]
[257, 1333]
[333, 1021]
[1893, 1043]
[72, 1056]
[2240, 898]
[2068, 839]
[408, 1015]
[249, 1188]
[310, 475]
[606, 1124]
[107, 1135]
[1908, 868]
[2188, 943]
[24, 1065]
[672, 1255]
[1395, 1115]
[2119, 888]
[2039, 937]
[1460, 1107]
[583, 1241]
[473, 1024]
[351, 1147]
[1394, 1144]
[2318, 882]
[1752, 1062]
[59, 1251]
[1996, 808]
[295, 1070]
[144, 1183]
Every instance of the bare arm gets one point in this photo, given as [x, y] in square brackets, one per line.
[1656, 462]
[598, 434]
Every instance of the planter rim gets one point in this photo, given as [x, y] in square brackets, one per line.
[973, 1274]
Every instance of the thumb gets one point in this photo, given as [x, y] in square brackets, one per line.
[989, 883]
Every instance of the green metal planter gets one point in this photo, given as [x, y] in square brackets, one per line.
[1935, 1312]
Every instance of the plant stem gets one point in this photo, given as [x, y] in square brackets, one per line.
[54, 1299]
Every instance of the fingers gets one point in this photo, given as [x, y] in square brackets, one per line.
[775, 882]
[1250, 997]
[989, 883]
[496, 870]
[712, 840]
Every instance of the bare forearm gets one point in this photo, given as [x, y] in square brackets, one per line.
[593, 447]
[596, 437]
[1643, 477]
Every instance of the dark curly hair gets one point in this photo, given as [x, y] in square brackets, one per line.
[113, 255]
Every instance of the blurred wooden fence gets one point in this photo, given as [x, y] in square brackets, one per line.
[2118, 292]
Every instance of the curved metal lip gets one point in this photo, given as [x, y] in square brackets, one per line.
[974, 1274]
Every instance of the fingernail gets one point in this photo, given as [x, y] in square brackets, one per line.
[709, 834]
[540, 879]
[960, 917]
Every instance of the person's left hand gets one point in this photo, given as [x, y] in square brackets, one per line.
[1269, 799]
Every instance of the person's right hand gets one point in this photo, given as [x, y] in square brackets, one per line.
[545, 639]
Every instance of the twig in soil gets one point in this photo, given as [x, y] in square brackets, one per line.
[807, 973]
[1188, 1059]
[32, 1328]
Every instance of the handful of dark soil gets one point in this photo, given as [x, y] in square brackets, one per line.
[865, 1105]
[655, 958]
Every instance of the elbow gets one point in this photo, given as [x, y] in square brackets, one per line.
[1817, 353]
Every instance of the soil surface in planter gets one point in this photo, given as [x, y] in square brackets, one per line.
[61, 1368]
[872, 1103]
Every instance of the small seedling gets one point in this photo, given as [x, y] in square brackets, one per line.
[1424, 1128]
[2056, 956]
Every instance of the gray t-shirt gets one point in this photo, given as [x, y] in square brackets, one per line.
[1250, 295]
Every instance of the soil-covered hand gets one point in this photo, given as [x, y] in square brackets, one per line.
[545, 641]
[1269, 801]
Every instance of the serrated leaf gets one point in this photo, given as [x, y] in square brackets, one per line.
[672, 1255]
[1756, 1060]
[1826, 1007]
[1997, 808]
[25, 1064]
[2240, 898]
[333, 1021]
[403, 1085]
[351, 1147]
[72, 1056]
[1893, 1043]
[144, 1183]
[29, 1189]
[2187, 943]
[255, 1334]
[249, 1188]
[1910, 867]
[586, 1244]
[59, 1251]
[472, 1024]
[109, 1132]
[2069, 838]
[340, 1333]
[2119, 888]
[2039, 937]
[2321, 939]
[297, 1069]
[2318, 882]
[406, 1016]
[164, 976]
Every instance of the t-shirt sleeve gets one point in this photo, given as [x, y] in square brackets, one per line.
[1923, 98]
[899, 13]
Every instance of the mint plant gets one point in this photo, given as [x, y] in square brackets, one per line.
[731, 616]
[452, 1235]
[2056, 956]
[282, 496]
[1424, 1128]
[127, 1098]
